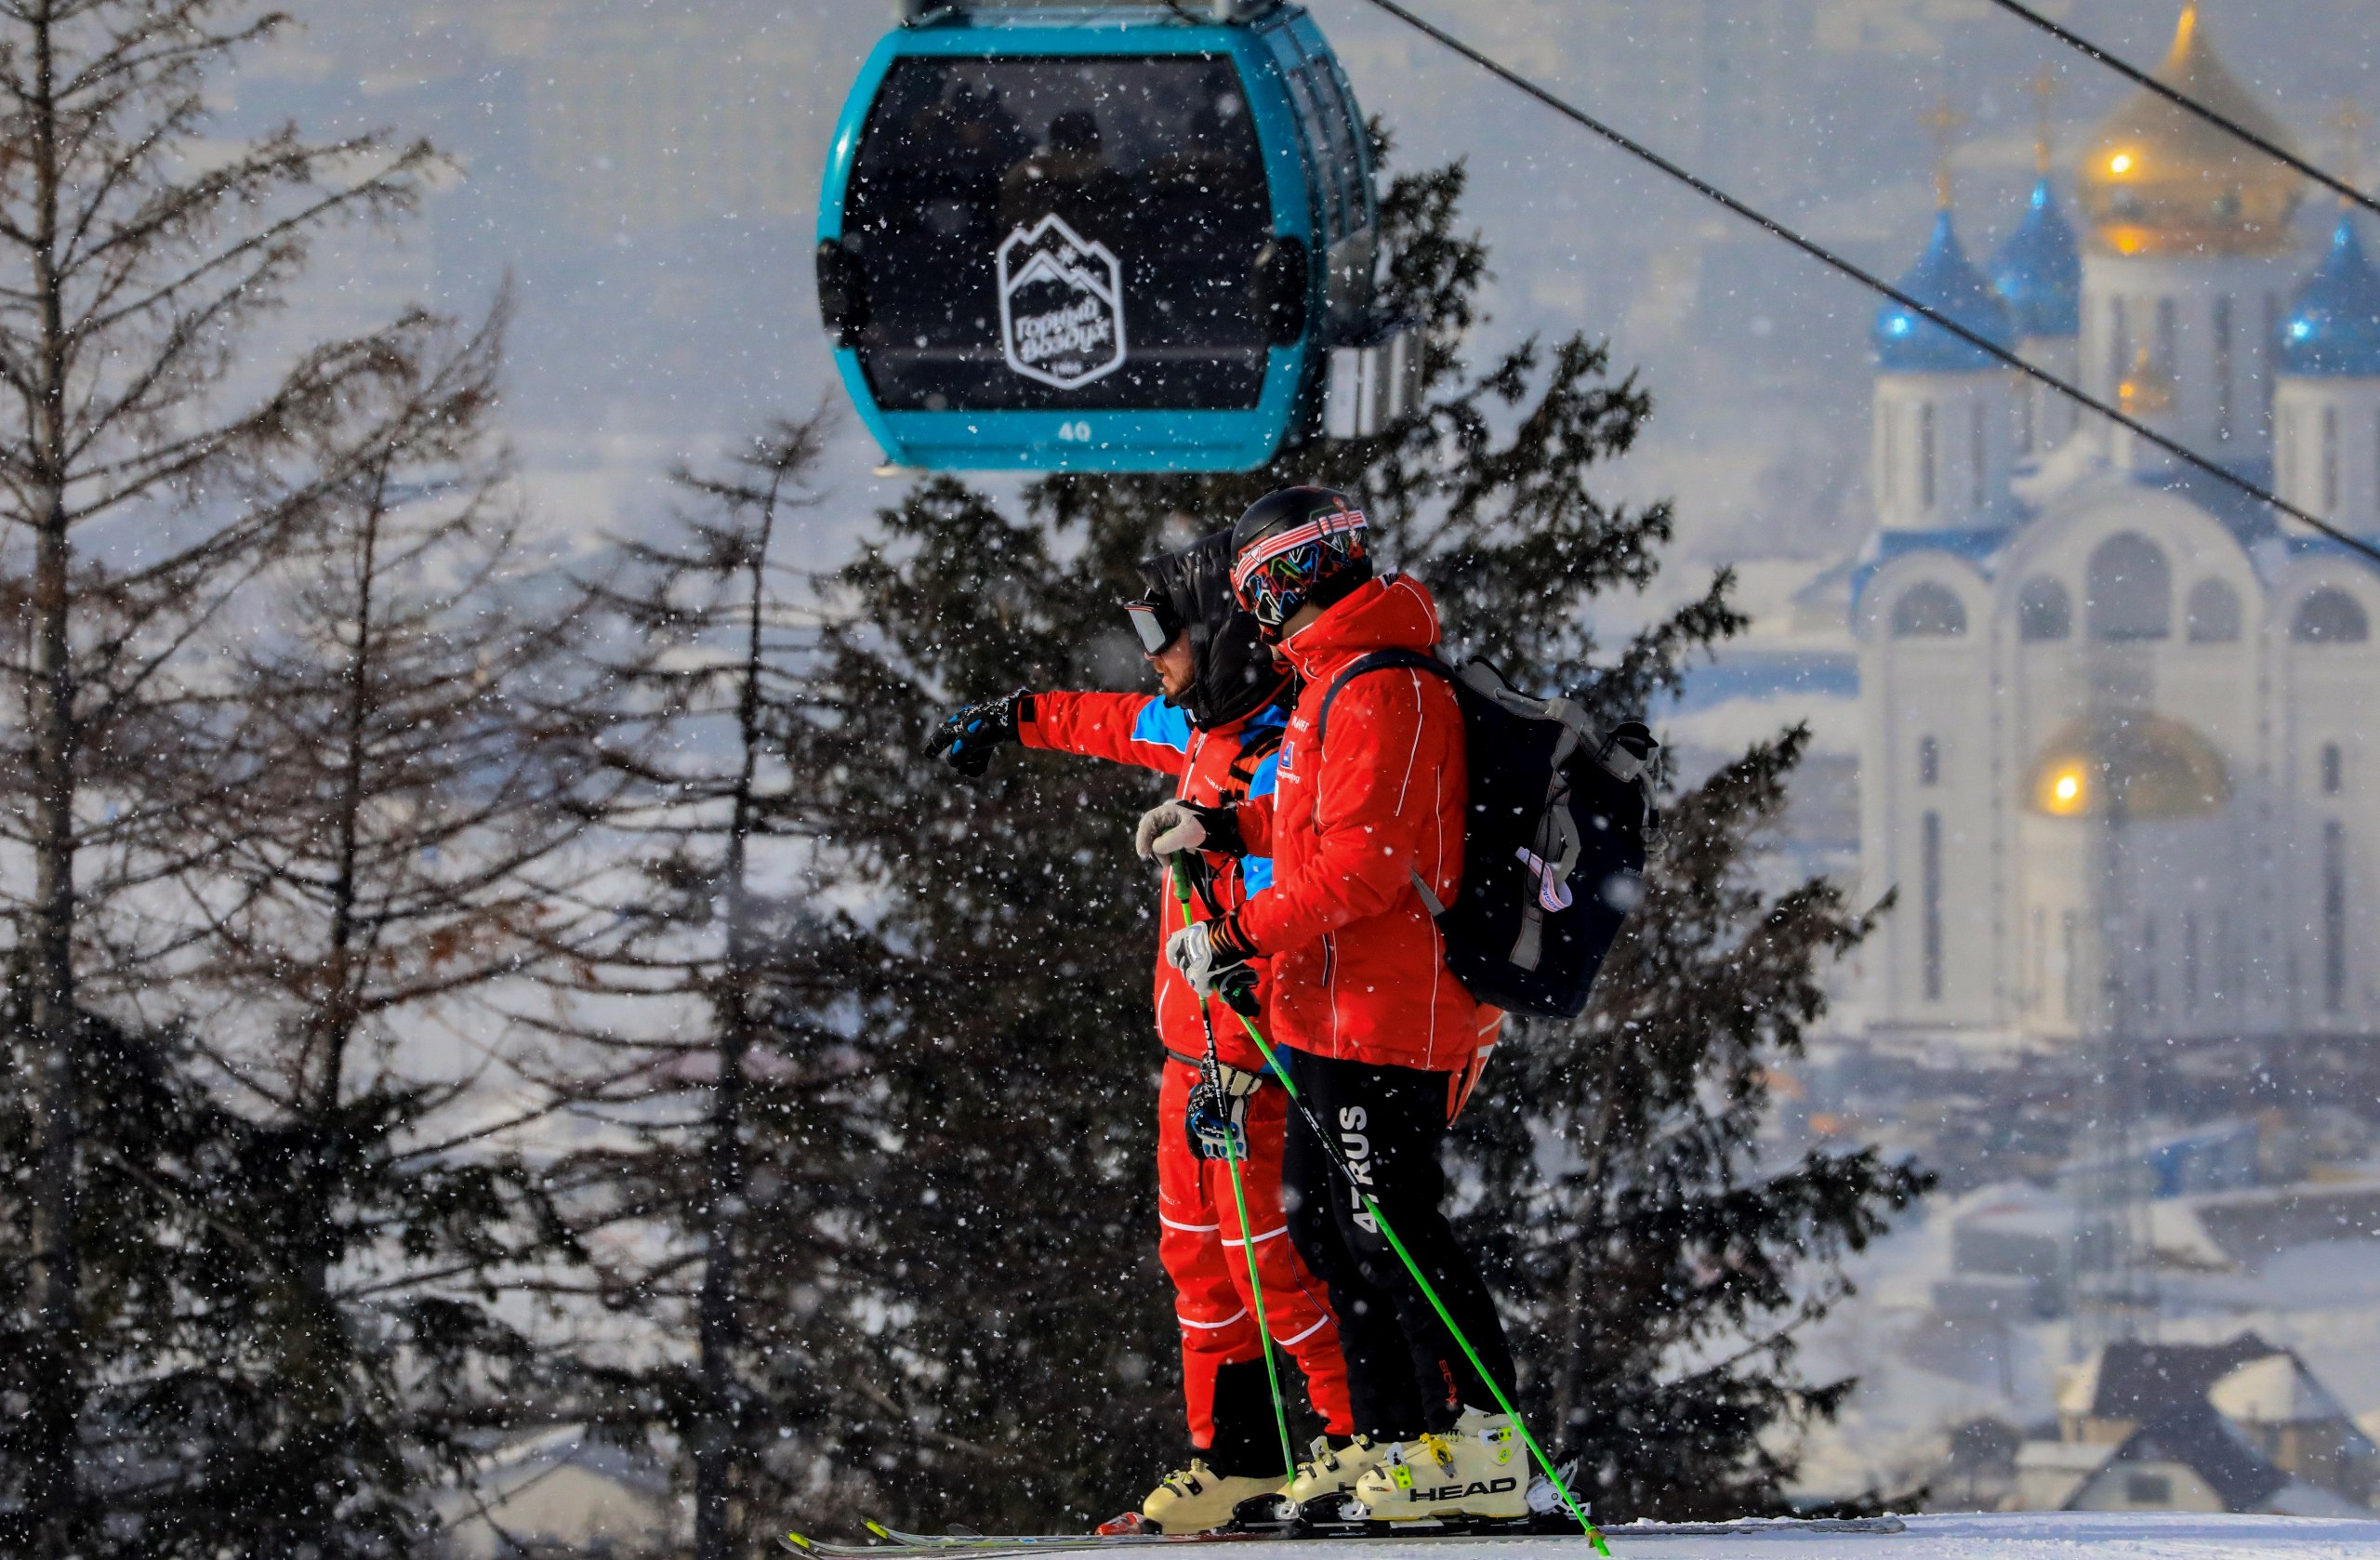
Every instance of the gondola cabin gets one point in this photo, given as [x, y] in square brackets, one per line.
[1104, 237]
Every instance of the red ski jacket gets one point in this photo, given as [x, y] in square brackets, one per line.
[1228, 764]
[1360, 970]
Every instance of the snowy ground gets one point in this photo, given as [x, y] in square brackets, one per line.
[2026, 1536]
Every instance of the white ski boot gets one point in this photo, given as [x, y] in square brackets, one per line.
[1193, 1500]
[1478, 1469]
[1325, 1479]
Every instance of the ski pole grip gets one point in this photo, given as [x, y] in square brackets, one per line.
[1237, 987]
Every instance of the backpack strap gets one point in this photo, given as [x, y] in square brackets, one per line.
[1379, 660]
[1382, 660]
[1258, 746]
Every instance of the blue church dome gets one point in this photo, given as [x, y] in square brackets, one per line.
[1947, 282]
[2333, 329]
[2038, 270]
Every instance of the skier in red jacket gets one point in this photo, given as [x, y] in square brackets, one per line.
[1215, 727]
[1380, 1041]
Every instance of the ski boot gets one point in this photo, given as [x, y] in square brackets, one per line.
[1477, 1470]
[1192, 1500]
[1323, 1481]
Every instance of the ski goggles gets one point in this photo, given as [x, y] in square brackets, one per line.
[1154, 621]
[1271, 579]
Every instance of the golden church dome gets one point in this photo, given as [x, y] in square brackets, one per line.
[2156, 767]
[2160, 181]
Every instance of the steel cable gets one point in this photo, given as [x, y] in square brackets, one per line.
[2190, 105]
[1818, 252]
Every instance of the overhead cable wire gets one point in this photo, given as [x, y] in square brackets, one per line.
[1868, 278]
[2189, 104]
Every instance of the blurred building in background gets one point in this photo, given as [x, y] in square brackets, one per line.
[2117, 748]
[2237, 1426]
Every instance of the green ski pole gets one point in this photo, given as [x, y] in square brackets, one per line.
[1414, 1268]
[1247, 1240]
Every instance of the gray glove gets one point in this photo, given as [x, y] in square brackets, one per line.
[1171, 827]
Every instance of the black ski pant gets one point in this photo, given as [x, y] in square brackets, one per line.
[1405, 1374]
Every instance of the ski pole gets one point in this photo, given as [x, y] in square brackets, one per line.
[1247, 1240]
[1331, 1145]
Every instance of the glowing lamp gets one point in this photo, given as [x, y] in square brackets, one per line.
[2065, 790]
[2120, 163]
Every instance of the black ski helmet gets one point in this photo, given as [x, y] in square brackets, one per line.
[1189, 592]
[1299, 546]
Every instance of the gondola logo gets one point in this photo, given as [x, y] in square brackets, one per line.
[1061, 305]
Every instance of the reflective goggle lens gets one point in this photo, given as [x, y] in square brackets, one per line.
[1156, 634]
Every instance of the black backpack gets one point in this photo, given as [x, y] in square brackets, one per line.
[1553, 846]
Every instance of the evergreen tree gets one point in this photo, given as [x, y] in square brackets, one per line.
[1018, 1366]
[1016, 1214]
[720, 1006]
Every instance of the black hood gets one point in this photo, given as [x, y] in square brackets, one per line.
[1235, 673]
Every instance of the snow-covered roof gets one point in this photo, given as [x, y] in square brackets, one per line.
[2066, 1457]
[2143, 1382]
[2196, 1437]
[2275, 1390]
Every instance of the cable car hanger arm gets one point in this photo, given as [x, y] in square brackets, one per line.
[1827, 256]
[2183, 101]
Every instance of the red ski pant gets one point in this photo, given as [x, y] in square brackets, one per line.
[1205, 1252]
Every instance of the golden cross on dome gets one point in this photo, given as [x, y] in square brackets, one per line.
[2045, 86]
[1945, 122]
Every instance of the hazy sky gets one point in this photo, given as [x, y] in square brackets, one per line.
[645, 172]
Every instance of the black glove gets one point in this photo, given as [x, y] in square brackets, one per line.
[1217, 1118]
[965, 740]
[1236, 986]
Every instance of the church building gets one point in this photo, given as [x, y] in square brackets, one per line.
[2121, 723]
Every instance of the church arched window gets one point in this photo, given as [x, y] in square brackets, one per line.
[2213, 616]
[2328, 617]
[1929, 611]
[2043, 610]
[2128, 590]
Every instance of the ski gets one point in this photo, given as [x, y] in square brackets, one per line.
[1535, 1530]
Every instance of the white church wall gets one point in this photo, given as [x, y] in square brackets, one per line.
[2055, 980]
[1927, 830]
[2046, 418]
[2210, 326]
[2326, 449]
[1943, 446]
[2321, 641]
[1965, 727]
